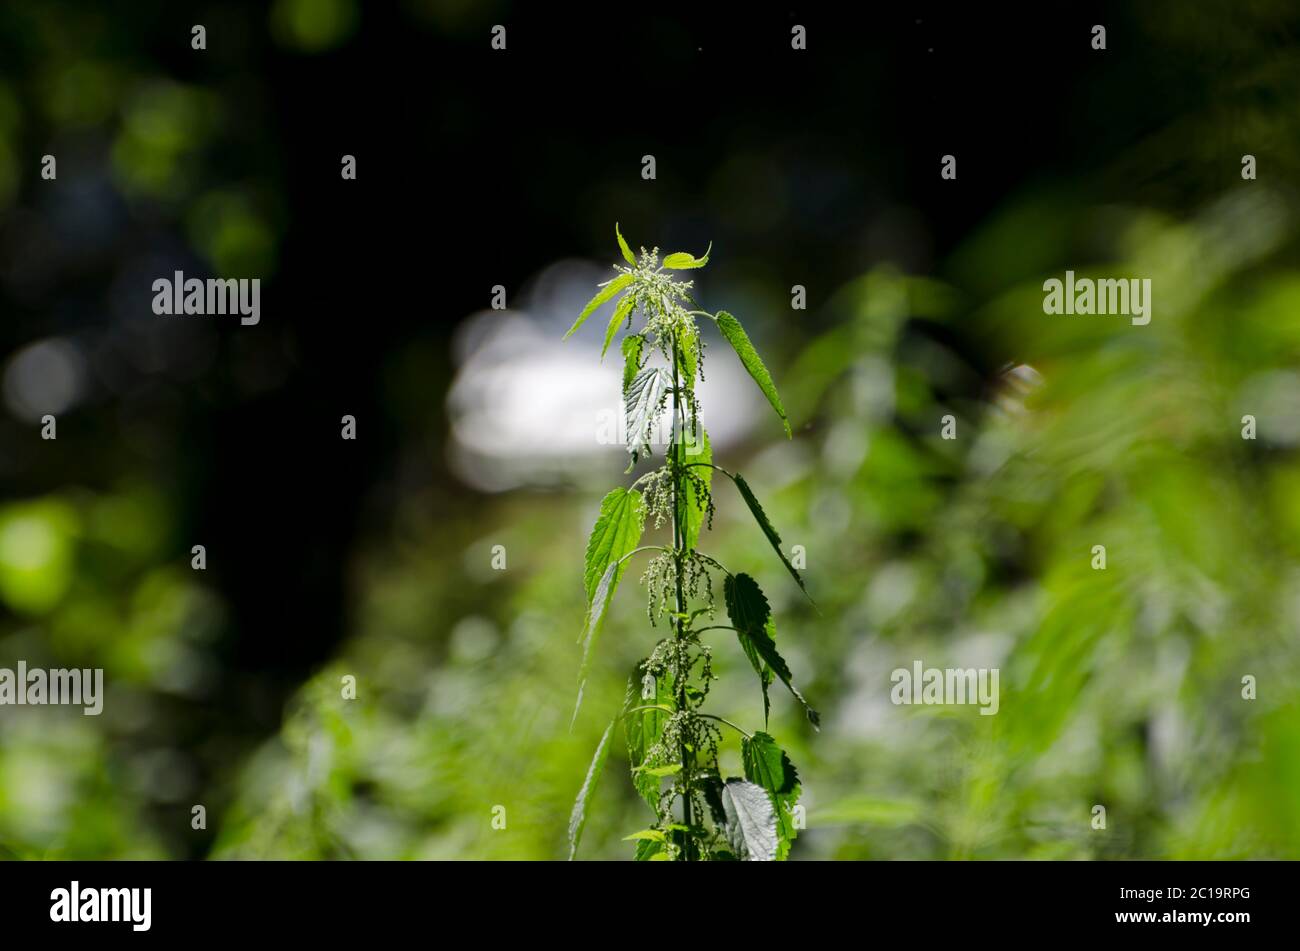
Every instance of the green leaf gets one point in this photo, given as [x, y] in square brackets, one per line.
[653, 835]
[621, 313]
[749, 357]
[622, 246]
[683, 260]
[633, 344]
[643, 408]
[644, 727]
[688, 359]
[616, 533]
[767, 765]
[773, 538]
[687, 450]
[578, 818]
[748, 610]
[605, 294]
[751, 616]
[648, 850]
[751, 820]
[710, 783]
[591, 631]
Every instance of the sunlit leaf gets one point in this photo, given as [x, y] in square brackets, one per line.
[578, 817]
[683, 260]
[643, 405]
[633, 344]
[751, 820]
[767, 765]
[622, 246]
[688, 449]
[749, 358]
[621, 313]
[604, 295]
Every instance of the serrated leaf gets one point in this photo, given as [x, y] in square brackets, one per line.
[591, 632]
[688, 449]
[578, 817]
[620, 314]
[711, 784]
[773, 538]
[688, 359]
[633, 344]
[751, 616]
[751, 820]
[767, 765]
[617, 532]
[748, 610]
[752, 362]
[622, 246]
[642, 408]
[683, 260]
[603, 295]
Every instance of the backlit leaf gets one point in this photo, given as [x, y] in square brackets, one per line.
[604, 295]
[683, 260]
[749, 358]
[751, 820]
[622, 246]
[578, 817]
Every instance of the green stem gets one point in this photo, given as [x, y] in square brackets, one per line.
[636, 551]
[679, 543]
[744, 733]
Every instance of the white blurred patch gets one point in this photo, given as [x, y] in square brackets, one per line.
[44, 377]
[530, 408]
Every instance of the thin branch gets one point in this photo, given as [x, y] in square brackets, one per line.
[744, 733]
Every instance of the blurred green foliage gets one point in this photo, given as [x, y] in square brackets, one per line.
[1120, 687]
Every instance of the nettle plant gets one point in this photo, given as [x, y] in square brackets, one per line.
[672, 743]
